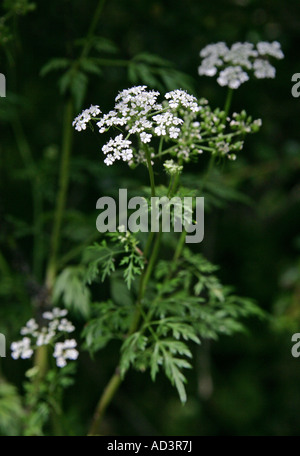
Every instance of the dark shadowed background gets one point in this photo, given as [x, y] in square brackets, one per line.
[247, 384]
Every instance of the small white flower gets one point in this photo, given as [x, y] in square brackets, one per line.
[127, 154]
[116, 149]
[22, 349]
[109, 160]
[217, 49]
[160, 131]
[61, 362]
[30, 327]
[80, 121]
[66, 326]
[181, 97]
[241, 54]
[174, 132]
[263, 69]
[65, 350]
[271, 49]
[94, 110]
[232, 77]
[145, 137]
[56, 313]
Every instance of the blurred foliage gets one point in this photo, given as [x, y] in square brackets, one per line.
[245, 385]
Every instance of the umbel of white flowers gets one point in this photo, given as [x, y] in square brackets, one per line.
[56, 326]
[232, 65]
[184, 123]
[139, 112]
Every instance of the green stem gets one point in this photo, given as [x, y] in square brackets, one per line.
[41, 362]
[62, 194]
[228, 101]
[209, 169]
[150, 170]
[65, 161]
[152, 183]
[116, 380]
[104, 401]
[160, 146]
[149, 269]
[179, 247]
[30, 164]
[89, 39]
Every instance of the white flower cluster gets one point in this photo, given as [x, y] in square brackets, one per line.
[57, 325]
[65, 350]
[80, 121]
[181, 98]
[22, 349]
[232, 77]
[137, 110]
[116, 149]
[232, 63]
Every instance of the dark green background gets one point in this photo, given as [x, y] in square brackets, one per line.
[255, 378]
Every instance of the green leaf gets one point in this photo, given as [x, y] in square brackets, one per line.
[135, 266]
[90, 66]
[131, 351]
[100, 259]
[110, 321]
[71, 289]
[11, 411]
[106, 45]
[59, 63]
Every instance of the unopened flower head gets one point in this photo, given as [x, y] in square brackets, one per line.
[232, 65]
[172, 168]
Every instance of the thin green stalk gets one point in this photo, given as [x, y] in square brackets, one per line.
[179, 247]
[212, 158]
[65, 161]
[89, 39]
[152, 183]
[207, 174]
[178, 250]
[161, 141]
[116, 380]
[30, 164]
[148, 244]
[41, 360]
[62, 194]
[150, 170]
[228, 101]
[149, 269]
[104, 401]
